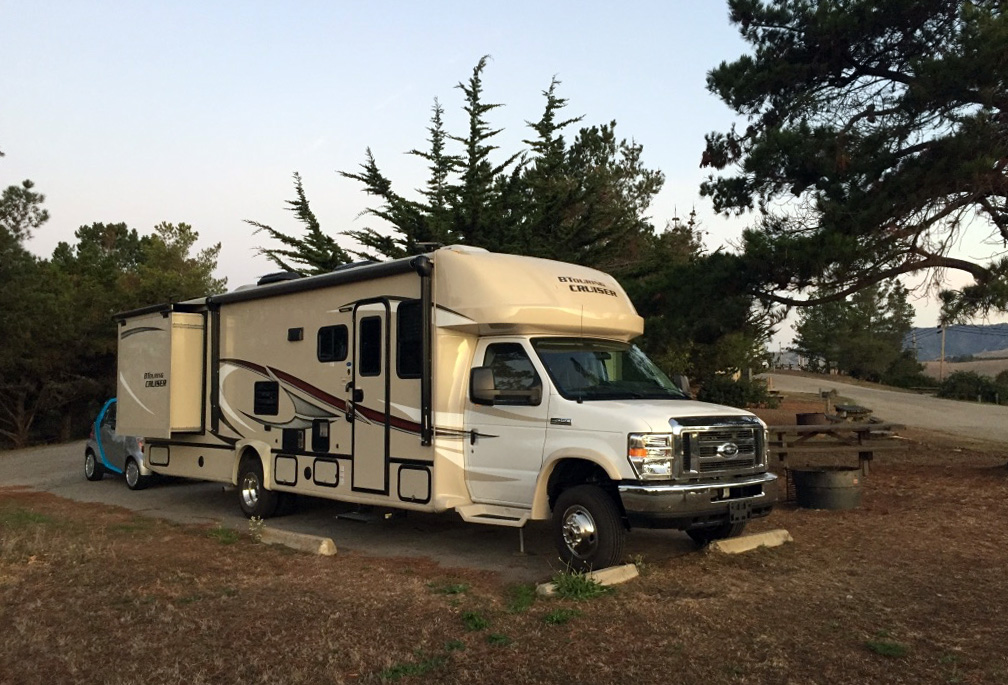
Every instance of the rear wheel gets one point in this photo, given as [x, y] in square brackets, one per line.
[587, 528]
[93, 470]
[134, 479]
[253, 497]
[703, 536]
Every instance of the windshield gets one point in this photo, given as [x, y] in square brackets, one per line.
[584, 369]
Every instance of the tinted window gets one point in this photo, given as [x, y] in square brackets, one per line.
[512, 370]
[370, 352]
[110, 417]
[332, 343]
[409, 339]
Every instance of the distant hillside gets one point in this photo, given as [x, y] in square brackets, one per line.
[960, 341]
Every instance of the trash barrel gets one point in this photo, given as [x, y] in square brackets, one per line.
[827, 487]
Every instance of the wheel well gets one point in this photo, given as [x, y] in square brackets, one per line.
[570, 472]
[247, 452]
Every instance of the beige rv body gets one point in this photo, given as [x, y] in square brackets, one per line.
[355, 385]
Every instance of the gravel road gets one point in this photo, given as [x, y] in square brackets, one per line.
[967, 419]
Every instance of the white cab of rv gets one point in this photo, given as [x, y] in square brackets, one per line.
[501, 387]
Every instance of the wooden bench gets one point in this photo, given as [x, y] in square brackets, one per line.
[863, 439]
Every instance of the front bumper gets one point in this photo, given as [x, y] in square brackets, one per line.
[692, 505]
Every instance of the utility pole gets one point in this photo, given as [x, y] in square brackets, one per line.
[941, 365]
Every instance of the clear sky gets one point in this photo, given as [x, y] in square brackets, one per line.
[200, 112]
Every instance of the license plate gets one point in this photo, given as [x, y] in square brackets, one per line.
[739, 511]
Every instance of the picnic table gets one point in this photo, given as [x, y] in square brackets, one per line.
[861, 438]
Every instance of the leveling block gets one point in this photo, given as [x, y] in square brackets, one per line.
[313, 544]
[747, 543]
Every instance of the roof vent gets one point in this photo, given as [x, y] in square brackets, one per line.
[278, 277]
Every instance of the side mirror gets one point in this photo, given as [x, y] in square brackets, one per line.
[483, 390]
[681, 382]
[482, 386]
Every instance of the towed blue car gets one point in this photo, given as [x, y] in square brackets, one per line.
[107, 451]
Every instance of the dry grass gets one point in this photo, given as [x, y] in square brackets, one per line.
[984, 367]
[909, 588]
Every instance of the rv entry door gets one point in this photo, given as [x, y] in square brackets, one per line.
[369, 397]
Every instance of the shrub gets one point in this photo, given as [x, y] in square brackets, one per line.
[736, 393]
[968, 385]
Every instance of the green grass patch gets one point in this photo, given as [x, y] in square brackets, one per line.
[22, 518]
[498, 640]
[223, 535]
[520, 598]
[454, 646]
[578, 586]
[449, 588]
[420, 668]
[473, 621]
[888, 648]
[559, 617]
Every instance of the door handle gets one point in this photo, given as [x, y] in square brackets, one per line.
[358, 395]
[472, 437]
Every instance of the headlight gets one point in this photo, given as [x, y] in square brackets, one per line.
[650, 455]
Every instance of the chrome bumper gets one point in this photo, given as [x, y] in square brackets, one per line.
[690, 504]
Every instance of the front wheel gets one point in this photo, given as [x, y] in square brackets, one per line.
[588, 528]
[703, 536]
[253, 497]
[92, 469]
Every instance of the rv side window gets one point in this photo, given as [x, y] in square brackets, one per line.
[266, 398]
[409, 339]
[370, 351]
[512, 370]
[332, 343]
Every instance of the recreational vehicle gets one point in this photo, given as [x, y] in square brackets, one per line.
[500, 387]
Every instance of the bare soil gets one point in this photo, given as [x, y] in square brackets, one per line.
[909, 588]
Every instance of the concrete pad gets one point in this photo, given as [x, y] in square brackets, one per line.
[746, 543]
[313, 544]
[614, 575]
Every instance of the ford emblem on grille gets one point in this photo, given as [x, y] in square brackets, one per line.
[727, 450]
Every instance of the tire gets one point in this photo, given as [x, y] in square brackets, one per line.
[588, 528]
[253, 497]
[703, 536]
[93, 469]
[134, 479]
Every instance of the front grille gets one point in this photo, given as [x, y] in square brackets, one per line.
[715, 449]
[725, 465]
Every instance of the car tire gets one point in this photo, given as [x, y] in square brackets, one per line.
[93, 469]
[134, 479]
[703, 536]
[587, 528]
[253, 497]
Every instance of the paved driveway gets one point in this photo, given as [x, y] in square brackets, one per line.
[445, 538]
[967, 419]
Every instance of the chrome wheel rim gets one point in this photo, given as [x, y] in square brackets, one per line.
[579, 531]
[89, 464]
[250, 490]
[132, 473]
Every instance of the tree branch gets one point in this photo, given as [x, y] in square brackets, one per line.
[929, 261]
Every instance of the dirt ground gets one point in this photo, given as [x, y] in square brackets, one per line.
[909, 588]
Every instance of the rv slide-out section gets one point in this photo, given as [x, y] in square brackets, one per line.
[503, 388]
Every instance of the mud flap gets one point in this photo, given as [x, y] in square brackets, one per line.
[739, 512]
